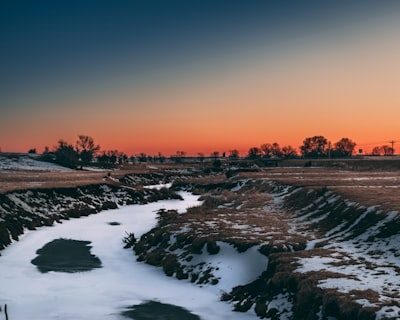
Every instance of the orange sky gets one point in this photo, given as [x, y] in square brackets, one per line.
[340, 82]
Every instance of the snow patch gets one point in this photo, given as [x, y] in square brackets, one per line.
[24, 162]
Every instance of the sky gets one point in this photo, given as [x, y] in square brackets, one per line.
[198, 76]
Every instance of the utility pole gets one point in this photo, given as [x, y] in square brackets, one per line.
[392, 142]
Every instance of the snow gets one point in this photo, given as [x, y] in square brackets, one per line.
[24, 162]
[388, 312]
[240, 185]
[159, 186]
[365, 303]
[122, 282]
[283, 304]
[233, 268]
[315, 263]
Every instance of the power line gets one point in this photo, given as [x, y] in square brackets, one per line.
[375, 143]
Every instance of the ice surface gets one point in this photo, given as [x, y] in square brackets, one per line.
[103, 293]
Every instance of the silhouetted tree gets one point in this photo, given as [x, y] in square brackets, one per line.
[32, 150]
[234, 154]
[122, 157]
[161, 158]
[254, 153]
[47, 155]
[314, 147]
[266, 149]
[344, 148]
[276, 150]
[200, 156]
[110, 156]
[66, 155]
[377, 151]
[387, 150]
[215, 155]
[289, 152]
[271, 150]
[142, 157]
[86, 149]
[179, 156]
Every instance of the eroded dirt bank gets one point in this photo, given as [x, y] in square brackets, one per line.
[328, 256]
[30, 209]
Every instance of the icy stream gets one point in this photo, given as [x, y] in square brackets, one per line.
[105, 292]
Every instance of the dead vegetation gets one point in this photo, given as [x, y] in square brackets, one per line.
[283, 211]
[343, 219]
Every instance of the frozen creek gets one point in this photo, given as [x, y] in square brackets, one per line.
[105, 292]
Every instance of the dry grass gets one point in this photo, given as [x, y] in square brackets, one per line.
[247, 216]
[369, 188]
[16, 180]
[29, 179]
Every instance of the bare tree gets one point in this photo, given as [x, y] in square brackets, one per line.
[66, 155]
[161, 157]
[201, 157]
[377, 151]
[142, 157]
[344, 148]
[289, 152]
[215, 155]
[179, 156]
[387, 150]
[233, 154]
[254, 153]
[266, 149]
[86, 148]
[314, 147]
[271, 150]
[276, 150]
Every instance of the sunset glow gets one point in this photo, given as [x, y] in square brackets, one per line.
[206, 76]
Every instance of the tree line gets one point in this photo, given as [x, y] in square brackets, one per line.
[85, 150]
[313, 147]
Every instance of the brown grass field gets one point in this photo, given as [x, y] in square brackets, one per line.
[29, 179]
[368, 182]
[369, 188]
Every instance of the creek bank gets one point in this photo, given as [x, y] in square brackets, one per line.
[322, 249]
[30, 209]
[160, 177]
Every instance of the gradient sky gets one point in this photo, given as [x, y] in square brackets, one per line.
[198, 76]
